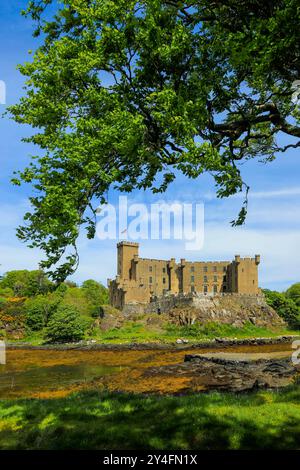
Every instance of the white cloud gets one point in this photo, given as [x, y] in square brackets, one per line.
[271, 231]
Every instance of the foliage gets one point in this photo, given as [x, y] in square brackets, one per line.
[26, 283]
[102, 420]
[129, 93]
[97, 296]
[285, 307]
[294, 293]
[3, 302]
[142, 332]
[88, 298]
[95, 292]
[65, 325]
[6, 291]
[12, 320]
[39, 309]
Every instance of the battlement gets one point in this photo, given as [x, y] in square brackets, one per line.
[127, 243]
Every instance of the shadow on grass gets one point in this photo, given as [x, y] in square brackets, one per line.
[94, 420]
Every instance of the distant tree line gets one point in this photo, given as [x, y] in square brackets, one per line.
[61, 313]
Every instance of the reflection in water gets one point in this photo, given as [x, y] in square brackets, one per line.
[34, 379]
[50, 373]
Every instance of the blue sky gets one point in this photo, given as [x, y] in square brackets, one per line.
[272, 228]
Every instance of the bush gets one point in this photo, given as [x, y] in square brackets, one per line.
[66, 325]
[293, 293]
[285, 307]
[39, 309]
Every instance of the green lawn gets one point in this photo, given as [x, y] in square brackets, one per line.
[95, 420]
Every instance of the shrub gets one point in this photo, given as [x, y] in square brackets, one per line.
[294, 293]
[285, 307]
[66, 325]
[39, 309]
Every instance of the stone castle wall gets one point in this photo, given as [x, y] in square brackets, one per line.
[140, 279]
[232, 309]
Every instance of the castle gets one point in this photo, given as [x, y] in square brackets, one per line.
[140, 279]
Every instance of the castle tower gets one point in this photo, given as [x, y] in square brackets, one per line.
[245, 278]
[126, 253]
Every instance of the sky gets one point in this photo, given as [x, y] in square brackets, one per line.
[272, 227]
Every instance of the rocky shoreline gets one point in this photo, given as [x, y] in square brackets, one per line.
[232, 375]
[179, 344]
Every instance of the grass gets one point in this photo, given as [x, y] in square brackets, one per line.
[102, 420]
[140, 332]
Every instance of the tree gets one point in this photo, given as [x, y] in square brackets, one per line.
[26, 283]
[74, 296]
[285, 307]
[66, 325]
[128, 93]
[95, 292]
[39, 310]
[294, 293]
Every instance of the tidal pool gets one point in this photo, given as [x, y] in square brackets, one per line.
[52, 373]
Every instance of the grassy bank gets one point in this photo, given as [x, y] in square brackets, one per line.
[94, 420]
[135, 332]
[139, 332]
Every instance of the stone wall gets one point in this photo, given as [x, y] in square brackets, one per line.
[233, 309]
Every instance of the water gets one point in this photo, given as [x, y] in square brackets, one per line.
[51, 373]
[58, 377]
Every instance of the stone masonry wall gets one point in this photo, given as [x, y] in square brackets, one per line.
[233, 309]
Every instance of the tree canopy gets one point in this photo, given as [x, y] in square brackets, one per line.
[294, 293]
[24, 283]
[127, 93]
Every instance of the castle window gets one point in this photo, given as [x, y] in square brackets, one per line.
[215, 289]
[215, 278]
[215, 269]
[192, 278]
[164, 280]
[192, 269]
[150, 280]
[205, 269]
[192, 288]
[224, 269]
[150, 269]
[224, 278]
[205, 289]
[205, 279]
[164, 270]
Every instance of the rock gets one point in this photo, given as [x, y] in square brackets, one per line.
[231, 309]
[245, 373]
[233, 372]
